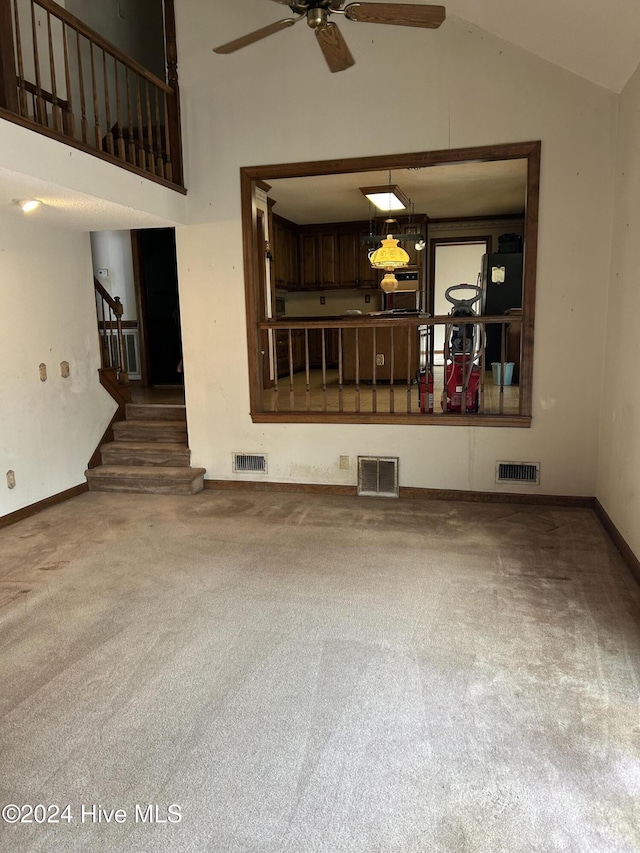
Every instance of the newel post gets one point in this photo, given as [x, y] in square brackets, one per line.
[173, 118]
[8, 84]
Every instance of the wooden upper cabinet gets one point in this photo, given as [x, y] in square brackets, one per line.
[348, 246]
[368, 277]
[308, 260]
[284, 248]
[319, 258]
[328, 273]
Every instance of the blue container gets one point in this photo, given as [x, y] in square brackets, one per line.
[508, 372]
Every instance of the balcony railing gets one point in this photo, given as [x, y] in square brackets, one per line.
[61, 78]
[386, 369]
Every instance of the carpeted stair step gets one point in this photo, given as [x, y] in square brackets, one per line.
[145, 412]
[147, 479]
[143, 431]
[146, 453]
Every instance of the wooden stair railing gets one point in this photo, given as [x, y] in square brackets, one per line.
[110, 310]
[61, 78]
[113, 374]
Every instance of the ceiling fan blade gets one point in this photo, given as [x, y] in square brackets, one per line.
[334, 48]
[250, 38]
[401, 14]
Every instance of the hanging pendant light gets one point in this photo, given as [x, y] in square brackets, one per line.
[390, 256]
[389, 283]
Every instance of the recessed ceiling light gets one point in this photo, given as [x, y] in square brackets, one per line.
[28, 204]
[386, 198]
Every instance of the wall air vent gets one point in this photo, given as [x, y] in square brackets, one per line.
[378, 476]
[518, 472]
[256, 463]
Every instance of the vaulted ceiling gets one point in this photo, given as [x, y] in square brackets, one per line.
[597, 39]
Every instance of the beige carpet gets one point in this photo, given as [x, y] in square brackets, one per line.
[312, 674]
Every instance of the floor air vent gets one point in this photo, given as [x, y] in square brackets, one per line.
[253, 462]
[518, 472]
[378, 476]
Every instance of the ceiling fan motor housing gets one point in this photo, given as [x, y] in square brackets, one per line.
[317, 18]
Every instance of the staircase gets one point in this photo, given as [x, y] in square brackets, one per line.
[149, 454]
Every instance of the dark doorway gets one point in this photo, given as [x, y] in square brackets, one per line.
[156, 272]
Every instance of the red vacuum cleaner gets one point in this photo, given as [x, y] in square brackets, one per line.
[462, 353]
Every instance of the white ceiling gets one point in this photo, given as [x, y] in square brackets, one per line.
[597, 39]
[442, 192]
[64, 207]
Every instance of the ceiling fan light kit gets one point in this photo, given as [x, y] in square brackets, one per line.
[330, 40]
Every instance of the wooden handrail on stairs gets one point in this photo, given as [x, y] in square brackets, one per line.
[110, 311]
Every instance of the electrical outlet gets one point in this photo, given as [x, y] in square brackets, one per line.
[380, 359]
[344, 462]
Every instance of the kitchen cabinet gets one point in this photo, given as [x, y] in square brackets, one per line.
[298, 349]
[403, 346]
[355, 269]
[318, 249]
[284, 248]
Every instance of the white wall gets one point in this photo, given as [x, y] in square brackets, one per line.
[453, 87]
[111, 251]
[48, 430]
[618, 487]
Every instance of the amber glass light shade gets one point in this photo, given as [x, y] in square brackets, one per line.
[389, 256]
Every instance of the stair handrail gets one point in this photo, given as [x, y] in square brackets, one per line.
[116, 308]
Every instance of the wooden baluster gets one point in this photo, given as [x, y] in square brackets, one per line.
[68, 118]
[158, 135]
[273, 350]
[408, 370]
[41, 107]
[132, 142]
[84, 126]
[172, 117]
[503, 347]
[340, 372]
[123, 376]
[291, 391]
[324, 372]
[357, 371]
[56, 109]
[392, 369]
[101, 330]
[150, 154]
[167, 141]
[122, 151]
[107, 104]
[307, 396]
[8, 89]
[142, 160]
[374, 385]
[110, 337]
[463, 393]
[97, 132]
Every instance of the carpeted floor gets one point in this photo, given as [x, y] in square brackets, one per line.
[317, 674]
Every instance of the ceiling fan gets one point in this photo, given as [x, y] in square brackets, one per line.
[330, 39]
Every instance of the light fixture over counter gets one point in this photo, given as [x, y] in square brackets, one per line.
[387, 198]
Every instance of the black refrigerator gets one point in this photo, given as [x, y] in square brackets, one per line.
[501, 291]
